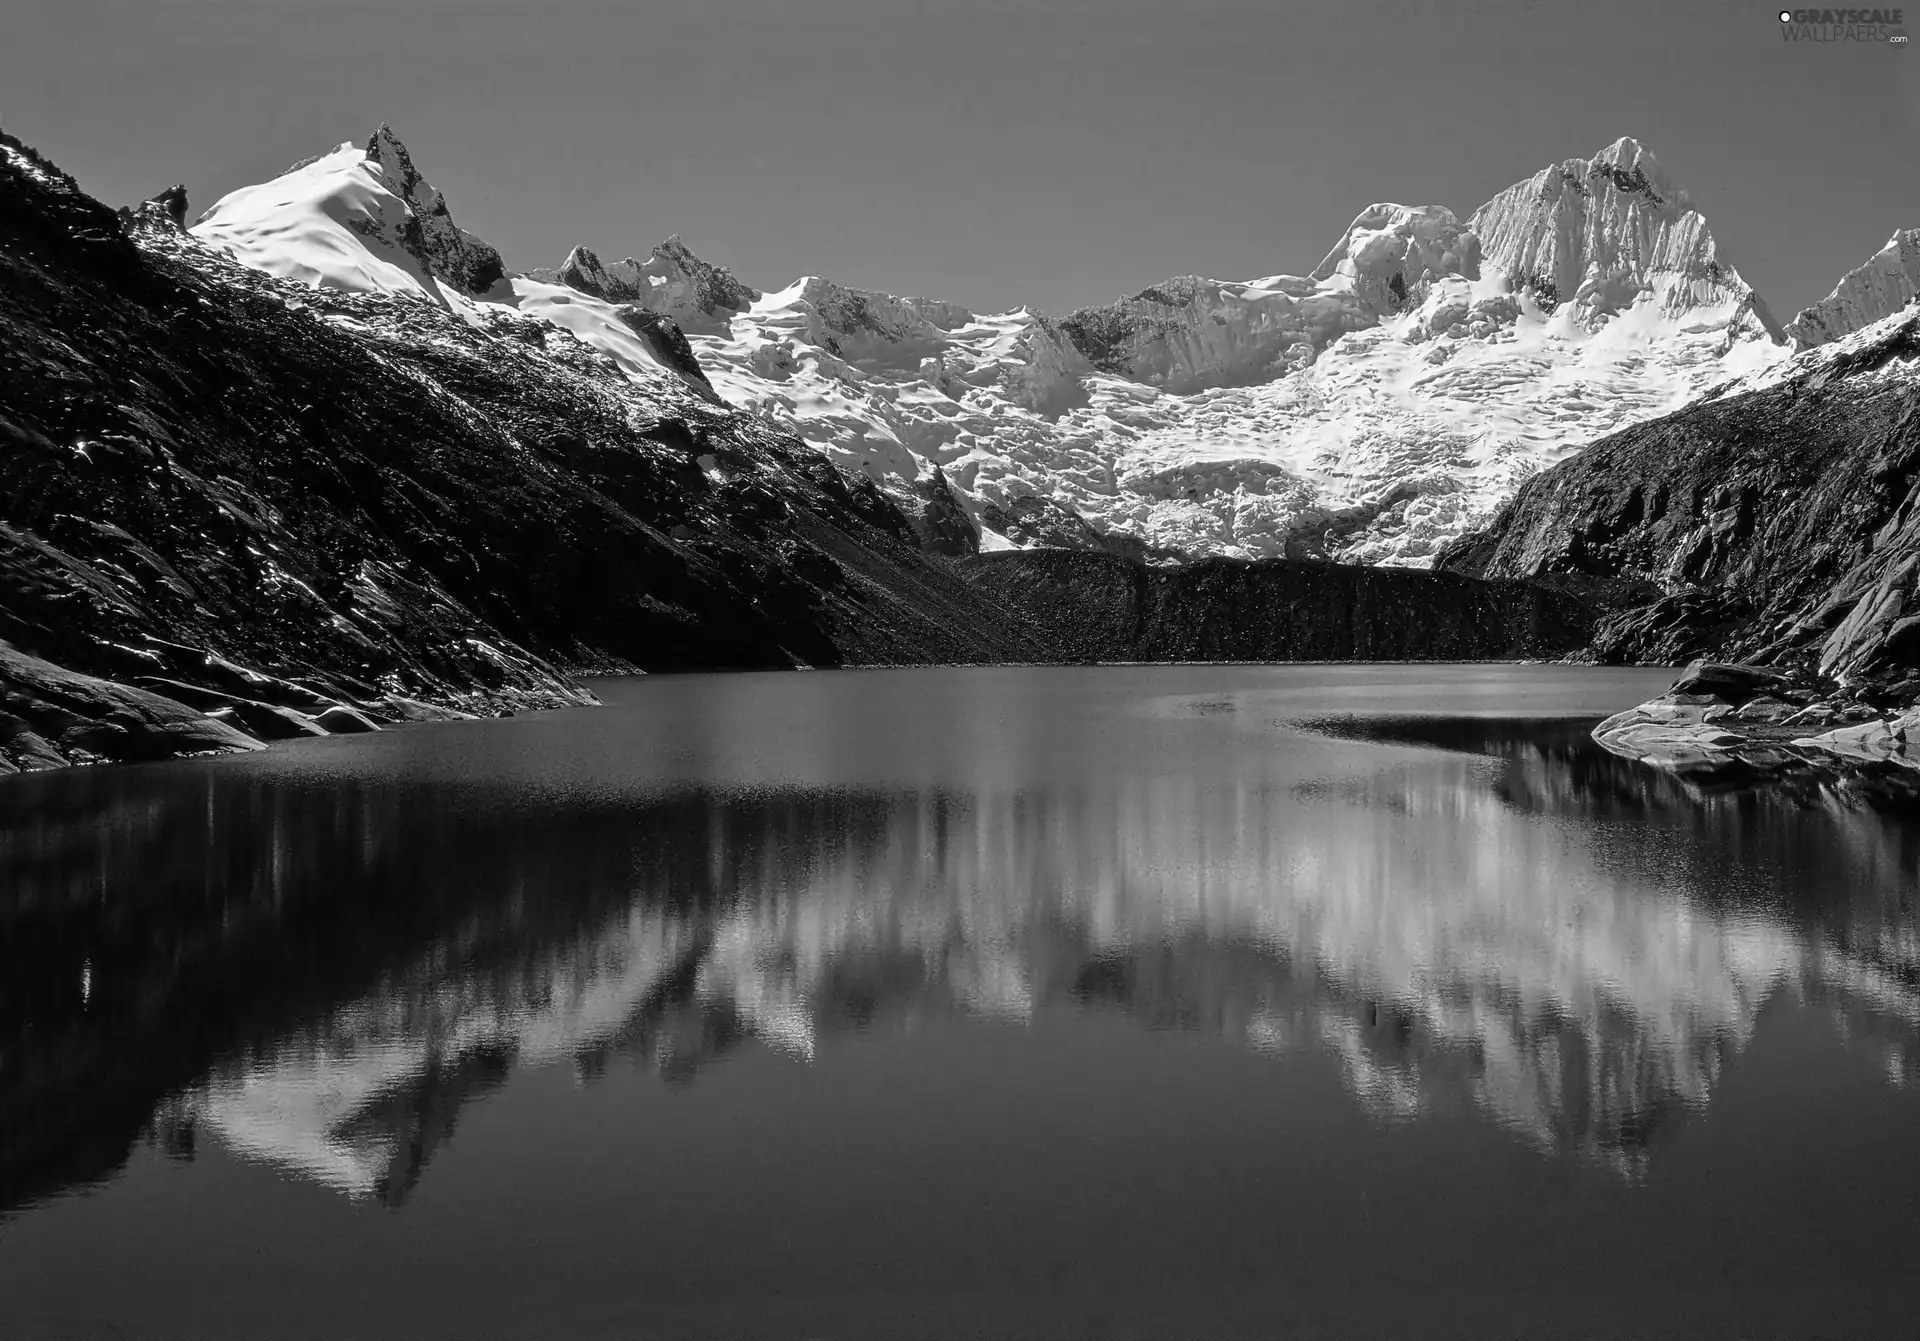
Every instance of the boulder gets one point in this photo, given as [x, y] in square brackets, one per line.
[1663, 711]
[1735, 683]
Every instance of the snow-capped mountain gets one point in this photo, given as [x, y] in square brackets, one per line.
[1373, 408]
[362, 219]
[1886, 283]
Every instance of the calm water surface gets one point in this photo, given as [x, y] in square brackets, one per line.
[1067, 1002]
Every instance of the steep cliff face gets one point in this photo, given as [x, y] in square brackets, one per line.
[1779, 524]
[1869, 293]
[429, 232]
[1106, 607]
[1604, 234]
[242, 493]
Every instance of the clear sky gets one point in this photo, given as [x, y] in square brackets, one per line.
[991, 152]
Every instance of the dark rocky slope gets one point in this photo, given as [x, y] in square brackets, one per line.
[209, 477]
[1106, 607]
[1780, 526]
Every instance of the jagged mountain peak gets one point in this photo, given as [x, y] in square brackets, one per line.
[672, 281]
[364, 219]
[449, 251]
[1428, 363]
[390, 157]
[1628, 156]
[406, 237]
[584, 270]
[165, 210]
[1607, 232]
[1887, 282]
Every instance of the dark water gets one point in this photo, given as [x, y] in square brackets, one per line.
[992, 1002]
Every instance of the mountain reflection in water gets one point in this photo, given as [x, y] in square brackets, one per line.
[1516, 921]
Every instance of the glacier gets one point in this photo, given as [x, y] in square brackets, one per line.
[1370, 410]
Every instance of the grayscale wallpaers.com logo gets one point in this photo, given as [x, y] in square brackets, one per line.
[1844, 25]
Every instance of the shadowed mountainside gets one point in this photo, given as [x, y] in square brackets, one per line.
[1778, 524]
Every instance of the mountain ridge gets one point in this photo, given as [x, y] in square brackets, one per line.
[1273, 469]
[1371, 410]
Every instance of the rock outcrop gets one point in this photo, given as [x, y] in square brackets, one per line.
[428, 232]
[939, 520]
[1722, 722]
[672, 282]
[668, 342]
[50, 716]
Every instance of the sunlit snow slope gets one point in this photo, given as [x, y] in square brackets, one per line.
[1888, 282]
[363, 219]
[1373, 408]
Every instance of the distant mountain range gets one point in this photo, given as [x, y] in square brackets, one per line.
[1372, 409]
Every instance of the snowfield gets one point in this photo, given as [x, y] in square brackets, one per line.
[362, 220]
[1371, 410]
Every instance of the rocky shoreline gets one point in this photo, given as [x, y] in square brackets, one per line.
[1723, 721]
[55, 717]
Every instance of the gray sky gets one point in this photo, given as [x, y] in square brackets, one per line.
[991, 152]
